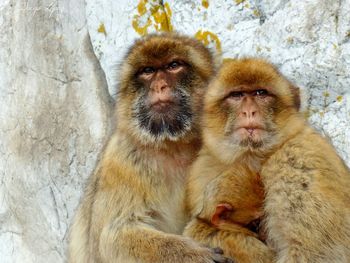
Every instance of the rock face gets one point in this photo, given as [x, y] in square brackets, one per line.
[56, 103]
[54, 114]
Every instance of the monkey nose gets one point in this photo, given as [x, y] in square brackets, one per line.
[250, 130]
[161, 88]
[249, 114]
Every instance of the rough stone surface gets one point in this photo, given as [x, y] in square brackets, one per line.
[55, 104]
[54, 112]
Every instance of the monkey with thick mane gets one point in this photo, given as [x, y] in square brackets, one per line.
[133, 206]
[261, 160]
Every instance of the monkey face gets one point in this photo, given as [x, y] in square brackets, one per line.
[163, 105]
[244, 106]
[250, 120]
[163, 80]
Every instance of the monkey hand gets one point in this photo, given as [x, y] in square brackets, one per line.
[207, 255]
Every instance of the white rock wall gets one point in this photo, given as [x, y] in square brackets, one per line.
[53, 117]
[55, 104]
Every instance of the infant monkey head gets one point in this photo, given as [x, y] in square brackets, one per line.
[246, 106]
[163, 80]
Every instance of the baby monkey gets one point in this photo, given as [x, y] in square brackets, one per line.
[261, 160]
[226, 205]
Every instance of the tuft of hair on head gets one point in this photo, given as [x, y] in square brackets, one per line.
[256, 71]
[167, 44]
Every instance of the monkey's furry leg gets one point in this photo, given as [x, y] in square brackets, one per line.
[238, 243]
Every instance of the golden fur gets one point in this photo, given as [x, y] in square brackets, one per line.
[306, 183]
[133, 209]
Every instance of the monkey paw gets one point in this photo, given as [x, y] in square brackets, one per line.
[207, 255]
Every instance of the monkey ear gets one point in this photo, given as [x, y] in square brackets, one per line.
[222, 212]
[296, 96]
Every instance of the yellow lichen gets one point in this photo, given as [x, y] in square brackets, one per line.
[102, 29]
[141, 30]
[141, 7]
[239, 2]
[205, 3]
[326, 94]
[339, 98]
[290, 40]
[154, 14]
[256, 12]
[160, 19]
[168, 14]
[207, 37]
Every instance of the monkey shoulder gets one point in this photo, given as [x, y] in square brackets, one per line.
[308, 170]
[307, 152]
[204, 169]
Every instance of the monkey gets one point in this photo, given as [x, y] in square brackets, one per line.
[251, 122]
[226, 204]
[133, 207]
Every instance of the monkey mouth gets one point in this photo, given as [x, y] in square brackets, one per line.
[250, 136]
[165, 119]
[253, 132]
[162, 106]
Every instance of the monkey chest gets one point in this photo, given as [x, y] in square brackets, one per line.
[167, 211]
[165, 202]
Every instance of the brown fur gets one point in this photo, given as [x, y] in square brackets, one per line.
[133, 209]
[212, 182]
[306, 205]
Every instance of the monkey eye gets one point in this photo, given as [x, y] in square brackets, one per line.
[236, 94]
[173, 65]
[148, 70]
[260, 92]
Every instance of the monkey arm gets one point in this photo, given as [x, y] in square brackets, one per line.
[237, 242]
[127, 232]
[307, 204]
[132, 243]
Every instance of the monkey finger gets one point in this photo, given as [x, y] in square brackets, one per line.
[223, 259]
[218, 250]
[220, 258]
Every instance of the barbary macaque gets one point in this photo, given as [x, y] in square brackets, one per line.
[254, 135]
[133, 206]
[226, 204]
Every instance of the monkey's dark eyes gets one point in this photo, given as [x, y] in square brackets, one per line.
[173, 65]
[148, 70]
[236, 94]
[260, 92]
